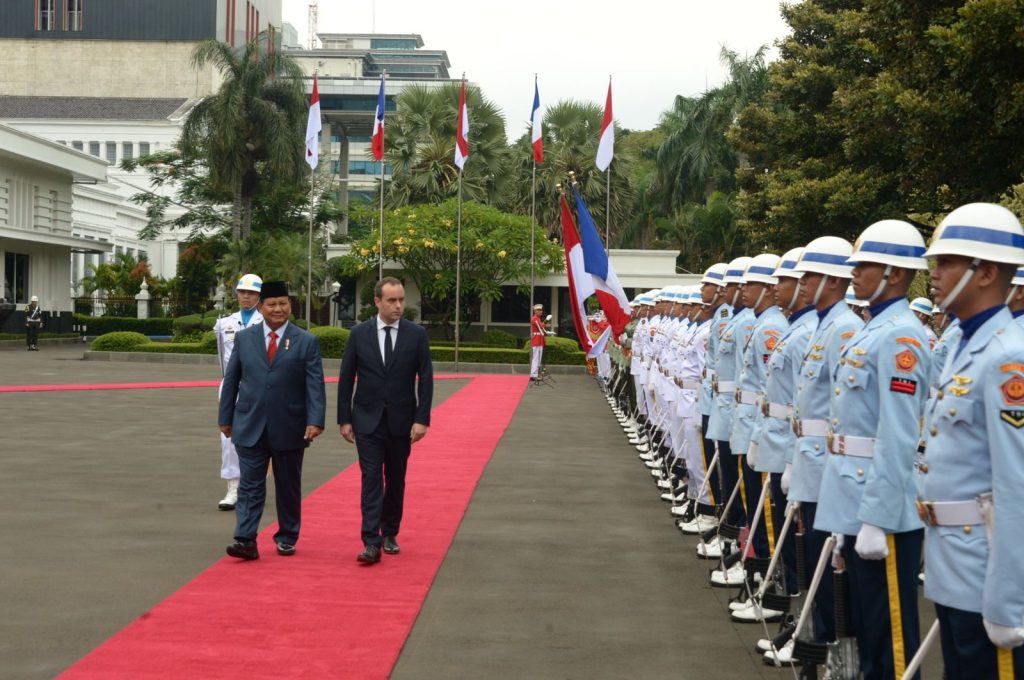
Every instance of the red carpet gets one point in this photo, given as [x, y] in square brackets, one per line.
[320, 614]
[151, 385]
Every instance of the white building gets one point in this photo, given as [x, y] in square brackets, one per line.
[36, 204]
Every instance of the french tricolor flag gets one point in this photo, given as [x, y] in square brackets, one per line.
[607, 287]
[536, 131]
[581, 284]
[378, 125]
[606, 147]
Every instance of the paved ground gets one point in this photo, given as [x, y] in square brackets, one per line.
[566, 565]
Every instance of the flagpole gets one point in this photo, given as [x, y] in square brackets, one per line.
[309, 246]
[458, 272]
[533, 228]
[381, 265]
[608, 212]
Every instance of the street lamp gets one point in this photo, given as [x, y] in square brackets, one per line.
[335, 289]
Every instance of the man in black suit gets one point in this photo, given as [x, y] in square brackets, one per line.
[388, 413]
[277, 379]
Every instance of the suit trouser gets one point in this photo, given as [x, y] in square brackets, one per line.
[788, 546]
[715, 481]
[824, 601]
[252, 490]
[967, 652]
[879, 589]
[383, 459]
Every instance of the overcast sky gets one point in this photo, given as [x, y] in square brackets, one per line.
[653, 49]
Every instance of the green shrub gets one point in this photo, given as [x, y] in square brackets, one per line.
[119, 341]
[175, 348]
[208, 342]
[498, 338]
[485, 355]
[190, 328]
[101, 325]
[42, 336]
[332, 340]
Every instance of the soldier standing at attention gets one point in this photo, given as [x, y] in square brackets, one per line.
[973, 499]
[248, 292]
[33, 322]
[538, 338]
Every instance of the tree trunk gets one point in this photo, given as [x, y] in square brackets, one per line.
[246, 216]
[236, 214]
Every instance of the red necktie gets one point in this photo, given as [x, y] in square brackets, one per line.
[272, 347]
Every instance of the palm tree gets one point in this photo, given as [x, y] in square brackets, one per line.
[252, 127]
[420, 147]
[571, 133]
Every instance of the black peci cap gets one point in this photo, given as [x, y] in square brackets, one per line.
[273, 289]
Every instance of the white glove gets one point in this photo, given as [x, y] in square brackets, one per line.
[752, 455]
[1004, 637]
[871, 543]
[787, 475]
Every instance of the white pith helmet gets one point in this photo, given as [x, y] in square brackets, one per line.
[787, 264]
[761, 269]
[922, 305]
[827, 255]
[890, 242]
[736, 270]
[250, 282]
[715, 274]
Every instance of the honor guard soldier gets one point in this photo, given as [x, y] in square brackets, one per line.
[248, 292]
[826, 276]
[691, 370]
[868, 490]
[724, 387]
[856, 305]
[923, 309]
[538, 338]
[973, 504]
[1015, 300]
[712, 287]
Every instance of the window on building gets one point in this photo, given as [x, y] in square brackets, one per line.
[77, 146]
[127, 150]
[143, 148]
[514, 307]
[73, 15]
[392, 44]
[62, 141]
[111, 153]
[16, 277]
[94, 149]
[46, 15]
[367, 168]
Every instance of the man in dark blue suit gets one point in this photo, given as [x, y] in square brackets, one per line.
[389, 412]
[272, 407]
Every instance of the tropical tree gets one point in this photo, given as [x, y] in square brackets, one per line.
[420, 147]
[252, 128]
[421, 239]
[571, 132]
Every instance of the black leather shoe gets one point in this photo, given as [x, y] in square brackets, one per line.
[285, 549]
[370, 555]
[391, 545]
[244, 550]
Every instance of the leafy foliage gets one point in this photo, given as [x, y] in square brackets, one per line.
[119, 341]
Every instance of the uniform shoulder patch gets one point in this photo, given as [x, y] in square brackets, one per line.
[909, 341]
[848, 334]
[903, 385]
[1012, 417]
[724, 313]
[770, 343]
[1008, 368]
[906, 361]
[1013, 390]
[772, 331]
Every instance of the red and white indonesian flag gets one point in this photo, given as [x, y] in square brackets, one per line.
[606, 147]
[378, 125]
[581, 284]
[536, 131]
[313, 128]
[462, 130]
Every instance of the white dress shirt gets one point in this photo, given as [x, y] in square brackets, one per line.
[380, 335]
[280, 334]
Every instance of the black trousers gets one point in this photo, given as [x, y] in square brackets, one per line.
[730, 467]
[252, 490]
[32, 334]
[714, 480]
[967, 652]
[788, 546]
[383, 459]
[874, 593]
[824, 601]
[753, 483]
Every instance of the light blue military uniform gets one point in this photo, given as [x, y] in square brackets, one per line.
[950, 338]
[880, 391]
[975, 445]
[719, 321]
[762, 340]
[727, 371]
[772, 429]
[813, 394]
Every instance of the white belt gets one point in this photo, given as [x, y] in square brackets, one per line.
[746, 397]
[709, 373]
[950, 513]
[810, 428]
[858, 447]
[726, 387]
[773, 410]
[687, 384]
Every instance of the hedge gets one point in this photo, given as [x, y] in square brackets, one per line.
[173, 348]
[498, 338]
[42, 336]
[484, 355]
[119, 341]
[101, 325]
[332, 340]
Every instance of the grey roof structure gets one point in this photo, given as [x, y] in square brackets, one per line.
[88, 108]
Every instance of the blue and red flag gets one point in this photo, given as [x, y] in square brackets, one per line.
[606, 284]
[378, 125]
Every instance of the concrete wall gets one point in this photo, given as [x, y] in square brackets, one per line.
[101, 68]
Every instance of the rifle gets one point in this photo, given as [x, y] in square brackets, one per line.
[922, 652]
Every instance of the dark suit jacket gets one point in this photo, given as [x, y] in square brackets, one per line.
[392, 387]
[282, 397]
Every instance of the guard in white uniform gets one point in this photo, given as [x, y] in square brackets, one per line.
[248, 292]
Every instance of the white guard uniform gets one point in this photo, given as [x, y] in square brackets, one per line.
[225, 330]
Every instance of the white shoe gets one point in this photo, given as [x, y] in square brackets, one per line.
[645, 456]
[698, 525]
[231, 497]
[755, 614]
[642, 447]
[711, 550]
[662, 483]
[783, 657]
[681, 510]
[920, 578]
[733, 576]
[653, 464]
[745, 604]
[668, 497]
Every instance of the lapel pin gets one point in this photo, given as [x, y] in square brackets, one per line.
[287, 342]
